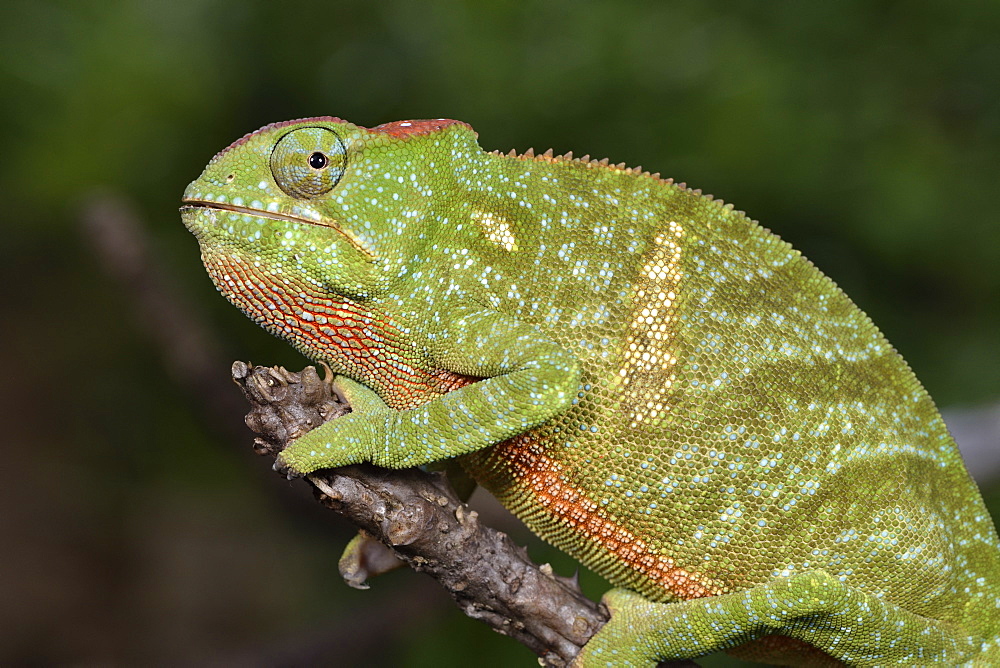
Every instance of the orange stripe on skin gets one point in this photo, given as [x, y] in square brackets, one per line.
[570, 505]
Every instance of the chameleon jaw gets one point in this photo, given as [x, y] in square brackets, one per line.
[192, 205]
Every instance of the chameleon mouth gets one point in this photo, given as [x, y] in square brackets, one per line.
[193, 205]
[247, 211]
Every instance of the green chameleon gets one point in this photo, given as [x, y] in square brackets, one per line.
[647, 378]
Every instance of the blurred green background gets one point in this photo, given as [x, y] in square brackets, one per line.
[137, 525]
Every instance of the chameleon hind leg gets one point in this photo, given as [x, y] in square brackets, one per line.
[847, 624]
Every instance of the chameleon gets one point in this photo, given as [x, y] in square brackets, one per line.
[649, 379]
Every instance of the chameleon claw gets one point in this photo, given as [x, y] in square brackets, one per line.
[282, 468]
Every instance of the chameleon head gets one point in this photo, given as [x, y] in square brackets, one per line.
[335, 204]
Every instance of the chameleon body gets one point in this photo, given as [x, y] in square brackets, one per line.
[649, 379]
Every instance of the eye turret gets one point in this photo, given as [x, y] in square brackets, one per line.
[308, 162]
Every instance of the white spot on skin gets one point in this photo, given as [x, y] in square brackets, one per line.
[497, 229]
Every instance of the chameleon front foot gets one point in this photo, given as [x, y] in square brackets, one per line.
[345, 440]
[313, 452]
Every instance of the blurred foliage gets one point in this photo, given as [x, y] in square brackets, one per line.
[866, 133]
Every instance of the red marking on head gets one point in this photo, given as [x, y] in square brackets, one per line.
[403, 129]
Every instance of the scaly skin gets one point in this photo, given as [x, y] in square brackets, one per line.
[650, 380]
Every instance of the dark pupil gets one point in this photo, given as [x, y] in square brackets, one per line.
[317, 160]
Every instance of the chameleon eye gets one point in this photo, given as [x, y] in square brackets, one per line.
[318, 161]
[308, 162]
